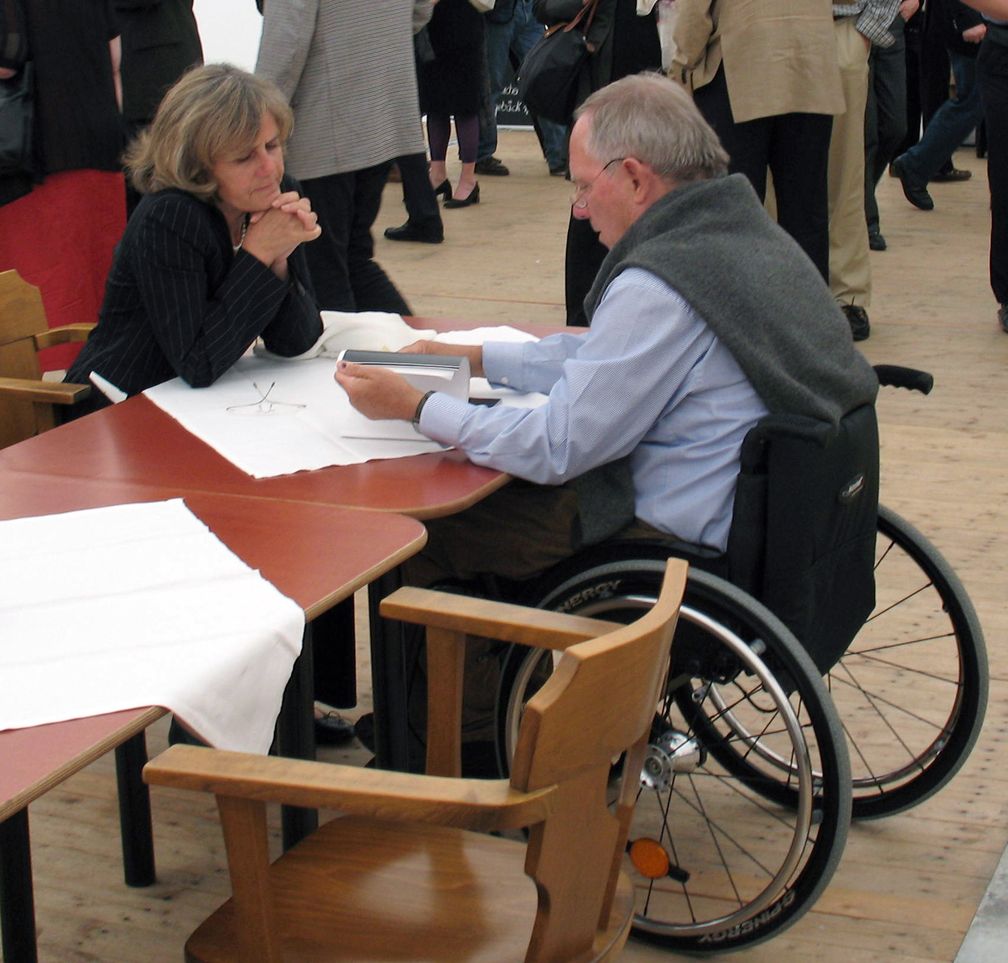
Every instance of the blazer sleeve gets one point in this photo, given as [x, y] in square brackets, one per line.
[288, 29]
[204, 312]
[694, 30]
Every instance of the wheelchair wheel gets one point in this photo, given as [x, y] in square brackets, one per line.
[911, 690]
[716, 863]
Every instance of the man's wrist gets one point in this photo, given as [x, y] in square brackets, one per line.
[419, 408]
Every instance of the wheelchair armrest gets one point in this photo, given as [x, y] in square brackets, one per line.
[896, 376]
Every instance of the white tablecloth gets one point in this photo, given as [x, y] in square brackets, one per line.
[137, 605]
[271, 416]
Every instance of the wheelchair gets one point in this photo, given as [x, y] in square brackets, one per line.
[763, 747]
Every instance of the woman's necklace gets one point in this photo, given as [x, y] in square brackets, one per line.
[241, 234]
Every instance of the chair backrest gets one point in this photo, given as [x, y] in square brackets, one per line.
[803, 531]
[26, 402]
[599, 703]
[22, 316]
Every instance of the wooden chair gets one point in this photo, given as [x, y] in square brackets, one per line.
[408, 870]
[26, 402]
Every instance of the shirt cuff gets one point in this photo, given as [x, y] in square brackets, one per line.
[441, 418]
[877, 31]
[503, 362]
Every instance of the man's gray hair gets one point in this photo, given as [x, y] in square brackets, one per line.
[654, 119]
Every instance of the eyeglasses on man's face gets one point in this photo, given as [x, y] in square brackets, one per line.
[579, 196]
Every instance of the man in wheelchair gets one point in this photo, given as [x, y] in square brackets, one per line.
[705, 317]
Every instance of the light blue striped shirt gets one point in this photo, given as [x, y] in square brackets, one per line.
[648, 378]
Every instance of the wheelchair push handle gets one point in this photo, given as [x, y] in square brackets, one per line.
[896, 376]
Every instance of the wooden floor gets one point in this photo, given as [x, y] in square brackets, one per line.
[908, 887]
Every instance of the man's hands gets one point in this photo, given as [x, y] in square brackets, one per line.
[377, 392]
[274, 233]
[380, 394]
[474, 352]
[908, 8]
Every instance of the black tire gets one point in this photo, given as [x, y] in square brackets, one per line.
[911, 690]
[742, 868]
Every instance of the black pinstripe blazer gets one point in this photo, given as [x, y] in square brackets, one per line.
[179, 301]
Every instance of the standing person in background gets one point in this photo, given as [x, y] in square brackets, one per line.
[962, 29]
[451, 85]
[160, 42]
[621, 43]
[347, 70]
[885, 113]
[782, 123]
[511, 28]
[992, 73]
[856, 25]
[60, 236]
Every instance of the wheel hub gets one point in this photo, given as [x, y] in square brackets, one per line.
[671, 753]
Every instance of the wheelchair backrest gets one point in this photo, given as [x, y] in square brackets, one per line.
[802, 538]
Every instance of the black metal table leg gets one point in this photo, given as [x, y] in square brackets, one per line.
[295, 737]
[17, 901]
[135, 812]
[389, 660]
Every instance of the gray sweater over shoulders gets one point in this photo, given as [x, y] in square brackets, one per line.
[712, 242]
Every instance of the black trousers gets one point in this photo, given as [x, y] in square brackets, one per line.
[885, 114]
[418, 195]
[341, 261]
[992, 75]
[584, 256]
[795, 148]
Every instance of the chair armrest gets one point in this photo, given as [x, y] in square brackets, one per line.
[62, 335]
[478, 804]
[495, 620]
[42, 392]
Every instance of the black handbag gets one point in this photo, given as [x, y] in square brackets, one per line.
[16, 115]
[547, 79]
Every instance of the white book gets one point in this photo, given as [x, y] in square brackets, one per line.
[425, 372]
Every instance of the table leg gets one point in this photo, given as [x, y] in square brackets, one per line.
[295, 737]
[335, 656]
[135, 812]
[390, 685]
[17, 903]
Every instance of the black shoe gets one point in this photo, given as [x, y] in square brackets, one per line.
[364, 731]
[952, 175]
[426, 232]
[875, 241]
[558, 170]
[915, 192]
[333, 730]
[443, 189]
[471, 198]
[491, 167]
[857, 318]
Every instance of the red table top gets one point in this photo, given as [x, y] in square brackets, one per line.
[315, 554]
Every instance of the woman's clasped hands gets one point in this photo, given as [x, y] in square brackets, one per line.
[273, 234]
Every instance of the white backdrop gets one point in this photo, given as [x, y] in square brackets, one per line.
[229, 30]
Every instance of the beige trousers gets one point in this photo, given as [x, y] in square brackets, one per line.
[850, 272]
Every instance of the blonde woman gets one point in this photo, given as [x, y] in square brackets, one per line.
[212, 258]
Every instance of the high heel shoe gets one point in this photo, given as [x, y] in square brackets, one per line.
[443, 190]
[472, 198]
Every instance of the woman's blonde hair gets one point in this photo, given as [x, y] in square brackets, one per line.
[211, 111]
